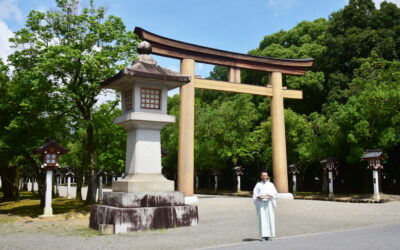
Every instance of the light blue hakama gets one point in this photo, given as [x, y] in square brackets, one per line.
[266, 218]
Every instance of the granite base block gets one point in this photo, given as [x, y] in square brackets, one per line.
[140, 199]
[143, 218]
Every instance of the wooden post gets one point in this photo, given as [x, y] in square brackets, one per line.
[237, 75]
[278, 135]
[234, 75]
[231, 76]
[186, 131]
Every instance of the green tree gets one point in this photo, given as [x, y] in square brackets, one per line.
[75, 50]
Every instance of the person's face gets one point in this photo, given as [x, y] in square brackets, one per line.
[264, 176]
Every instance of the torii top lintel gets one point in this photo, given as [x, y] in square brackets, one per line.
[176, 49]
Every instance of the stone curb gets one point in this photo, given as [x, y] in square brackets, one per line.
[341, 199]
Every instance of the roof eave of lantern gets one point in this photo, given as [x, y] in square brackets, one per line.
[326, 160]
[51, 144]
[145, 69]
[373, 154]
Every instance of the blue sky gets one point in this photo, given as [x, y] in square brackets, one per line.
[233, 25]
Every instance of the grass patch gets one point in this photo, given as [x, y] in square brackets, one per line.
[7, 219]
[29, 205]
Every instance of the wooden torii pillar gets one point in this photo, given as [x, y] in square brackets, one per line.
[189, 54]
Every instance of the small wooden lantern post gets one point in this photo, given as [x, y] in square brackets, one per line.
[69, 175]
[375, 158]
[239, 172]
[50, 152]
[330, 165]
[294, 170]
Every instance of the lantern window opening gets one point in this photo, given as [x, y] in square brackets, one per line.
[128, 99]
[150, 98]
[51, 158]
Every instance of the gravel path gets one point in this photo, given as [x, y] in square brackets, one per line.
[223, 220]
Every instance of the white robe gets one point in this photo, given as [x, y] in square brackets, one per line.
[265, 208]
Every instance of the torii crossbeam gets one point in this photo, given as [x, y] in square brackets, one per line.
[189, 54]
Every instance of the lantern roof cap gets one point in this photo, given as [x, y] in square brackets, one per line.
[372, 153]
[51, 143]
[328, 159]
[145, 67]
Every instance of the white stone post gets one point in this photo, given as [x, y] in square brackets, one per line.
[330, 179]
[238, 184]
[69, 187]
[32, 184]
[294, 178]
[48, 210]
[57, 185]
[100, 198]
[375, 178]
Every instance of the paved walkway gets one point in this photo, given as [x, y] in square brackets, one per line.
[380, 237]
[223, 220]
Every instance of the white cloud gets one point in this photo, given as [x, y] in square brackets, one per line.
[378, 2]
[199, 66]
[5, 34]
[10, 10]
[282, 3]
[105, 96]
[173, 68]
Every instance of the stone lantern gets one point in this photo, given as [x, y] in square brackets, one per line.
[374, 158]
[239, 172]
[294, 170]
[50, 152]
[330, 165]
[143, 199]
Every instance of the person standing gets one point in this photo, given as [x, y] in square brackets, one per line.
[264, 196]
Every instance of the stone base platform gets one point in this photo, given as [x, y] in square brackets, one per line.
[129, 212]
[143, 183]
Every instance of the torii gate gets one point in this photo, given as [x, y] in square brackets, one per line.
[189, 54]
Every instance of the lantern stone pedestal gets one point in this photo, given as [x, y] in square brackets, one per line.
[144, 199]
[143, 153]
[48, 209]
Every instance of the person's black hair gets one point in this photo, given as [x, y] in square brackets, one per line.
[264, 171]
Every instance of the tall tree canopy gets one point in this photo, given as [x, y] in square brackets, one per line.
[73, 50]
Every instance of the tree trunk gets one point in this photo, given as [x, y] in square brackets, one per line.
[325, 181]
[40, 178]
[79, 182]
[9, 182]
[25, 184]
[92, 180]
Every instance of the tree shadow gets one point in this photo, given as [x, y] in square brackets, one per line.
[31, 207]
